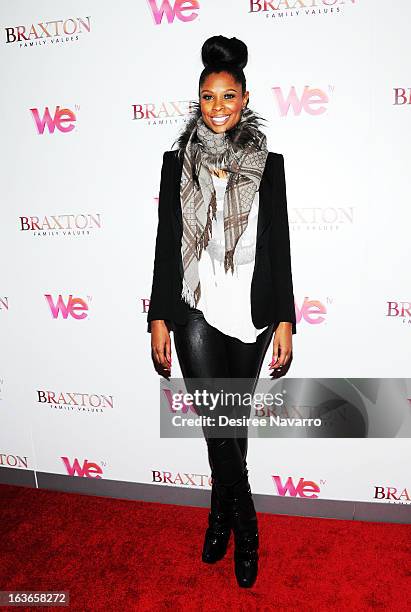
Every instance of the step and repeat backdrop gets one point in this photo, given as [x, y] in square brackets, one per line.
[93, 94]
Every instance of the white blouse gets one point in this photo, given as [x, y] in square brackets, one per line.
[226, 297]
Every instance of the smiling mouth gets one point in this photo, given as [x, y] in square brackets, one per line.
[220, 120]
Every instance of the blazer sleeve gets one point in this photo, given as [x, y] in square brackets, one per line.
[162, 277]
[282, 273]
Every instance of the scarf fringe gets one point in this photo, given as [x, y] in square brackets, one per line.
[208, 230]
[188, 295]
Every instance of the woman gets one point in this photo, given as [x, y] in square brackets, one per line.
[222, 277]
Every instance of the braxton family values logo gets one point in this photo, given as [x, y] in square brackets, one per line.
[321, 218]
[399, 310]
[402, 96]
[282, 9]
[68, 225]
[162, 112]
[41, 33]
[186, 479]
[74, 401]
[393, 495]
[14, 461]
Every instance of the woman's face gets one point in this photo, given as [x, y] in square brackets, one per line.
[221, 101]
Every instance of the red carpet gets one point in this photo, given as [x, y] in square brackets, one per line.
[123, 555]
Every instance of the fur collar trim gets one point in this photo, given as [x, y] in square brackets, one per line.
[244, 133]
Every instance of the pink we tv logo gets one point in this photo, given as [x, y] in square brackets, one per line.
[304, 488]
[312, 101]
[74, 307]
[63, 119]
[184, 10]
[89, 469]
[312, 311]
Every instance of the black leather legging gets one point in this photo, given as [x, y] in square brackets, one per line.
[204, 351]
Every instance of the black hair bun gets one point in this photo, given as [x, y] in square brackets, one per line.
[222, 50]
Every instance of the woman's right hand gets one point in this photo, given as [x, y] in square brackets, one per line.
[161, 344]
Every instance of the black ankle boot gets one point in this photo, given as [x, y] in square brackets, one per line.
[219, 527]
[245, 529]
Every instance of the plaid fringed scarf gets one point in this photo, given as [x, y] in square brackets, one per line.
[242, 152]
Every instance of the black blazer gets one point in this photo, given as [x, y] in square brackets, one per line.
[272, 298]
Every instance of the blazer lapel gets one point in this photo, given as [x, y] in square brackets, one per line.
[265, 207]
[265, 202]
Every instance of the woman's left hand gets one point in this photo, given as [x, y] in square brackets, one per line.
[282, 346]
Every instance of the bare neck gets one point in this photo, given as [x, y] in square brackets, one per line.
[219, 173]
